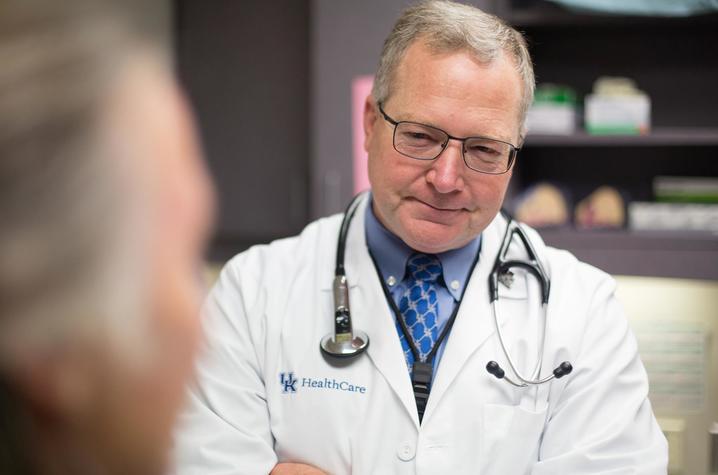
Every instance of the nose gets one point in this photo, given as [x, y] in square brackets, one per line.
[446, 172]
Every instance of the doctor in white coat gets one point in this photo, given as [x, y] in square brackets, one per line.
[268, 400]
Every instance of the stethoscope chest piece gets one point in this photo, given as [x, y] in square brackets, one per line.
[344, 341]
[344, 347]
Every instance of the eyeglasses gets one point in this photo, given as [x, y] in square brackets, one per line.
[424, 142]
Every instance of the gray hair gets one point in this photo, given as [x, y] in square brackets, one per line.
[447, 26]
[64, 207]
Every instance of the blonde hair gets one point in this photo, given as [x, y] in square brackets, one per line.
[447, 27]
[68, 264]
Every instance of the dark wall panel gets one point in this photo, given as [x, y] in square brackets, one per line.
[245, 65]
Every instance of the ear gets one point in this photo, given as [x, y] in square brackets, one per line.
[371, 114]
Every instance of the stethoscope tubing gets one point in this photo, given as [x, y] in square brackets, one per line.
[533, 266]
[539, 357]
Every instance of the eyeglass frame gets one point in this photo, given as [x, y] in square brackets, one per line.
[512, 156]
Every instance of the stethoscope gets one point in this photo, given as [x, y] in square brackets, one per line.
[345, 342]
[501, 272]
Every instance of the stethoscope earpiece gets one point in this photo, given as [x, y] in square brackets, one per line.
[493, 368]
[563, 369]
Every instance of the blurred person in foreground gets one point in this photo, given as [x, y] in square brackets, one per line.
[104, 209]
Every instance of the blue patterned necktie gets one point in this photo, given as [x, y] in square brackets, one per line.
[419, 306]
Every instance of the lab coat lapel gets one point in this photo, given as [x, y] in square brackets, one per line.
[371, 313]
[474, 324]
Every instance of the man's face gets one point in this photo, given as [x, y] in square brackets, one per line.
[438, 205]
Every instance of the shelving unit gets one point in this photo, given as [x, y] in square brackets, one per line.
[250, 99]
[674, 61]
[646, 253]
[665, 136]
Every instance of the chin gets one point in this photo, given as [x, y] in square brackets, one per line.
[432, 238]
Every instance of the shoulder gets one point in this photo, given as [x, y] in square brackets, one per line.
[283, 258]
[583, 299]
[255, 287]
[568, 273]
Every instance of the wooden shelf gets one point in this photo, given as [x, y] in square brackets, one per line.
[646, 253]
[664, 136]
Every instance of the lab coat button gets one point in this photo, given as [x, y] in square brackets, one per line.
[406, 451]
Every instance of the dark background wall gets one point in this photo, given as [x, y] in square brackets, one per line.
[346, 41]
[245, 65]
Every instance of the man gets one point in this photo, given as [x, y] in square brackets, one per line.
[105, 205]
[418, 254]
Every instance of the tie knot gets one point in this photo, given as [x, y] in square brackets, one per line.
[424, 267]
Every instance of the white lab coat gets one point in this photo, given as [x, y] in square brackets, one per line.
[273, 304]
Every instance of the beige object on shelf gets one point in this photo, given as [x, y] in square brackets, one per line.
[542, 205]
[617, 106]
[604, 208]
[615, 86]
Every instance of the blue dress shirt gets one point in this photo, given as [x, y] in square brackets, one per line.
[391, 254]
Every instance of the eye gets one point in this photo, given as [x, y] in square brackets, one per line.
[418, 136]
[484, 149]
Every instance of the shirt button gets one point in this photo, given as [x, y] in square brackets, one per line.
[391, 281]
[406, 451]
[455, 285]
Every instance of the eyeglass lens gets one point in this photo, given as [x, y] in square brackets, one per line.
[423, 142]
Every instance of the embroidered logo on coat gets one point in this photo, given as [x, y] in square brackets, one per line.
[291, 384]
[288, 382]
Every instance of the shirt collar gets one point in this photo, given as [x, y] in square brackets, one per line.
[391, 254]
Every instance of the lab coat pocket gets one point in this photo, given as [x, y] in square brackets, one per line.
[511, 438]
